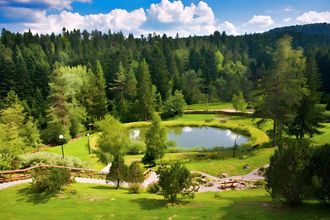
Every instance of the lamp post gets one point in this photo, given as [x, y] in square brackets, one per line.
[61, 137]
[89, 148]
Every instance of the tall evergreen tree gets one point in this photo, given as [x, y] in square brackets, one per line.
[101, 101]
[308, 113]
[144, 92]
[283, 88]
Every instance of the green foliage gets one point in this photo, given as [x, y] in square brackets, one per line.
[308, 114]
[135, 177]
[176, 180]
[43, 158]
[156, 141]
[191, 87]
[50, 180]
[153, 188]
[319, 169]
[173, 106]
[239, 102]
[286, 175]
[284, 86]
[135, 173]
[113, 140]
[118, 171]
[144, 92]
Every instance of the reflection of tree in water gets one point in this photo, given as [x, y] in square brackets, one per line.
[175, 130]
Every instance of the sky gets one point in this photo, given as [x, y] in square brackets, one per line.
[185, 17]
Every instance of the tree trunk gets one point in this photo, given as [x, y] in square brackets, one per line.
[274, 133]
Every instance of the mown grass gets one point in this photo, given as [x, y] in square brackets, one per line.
[209, 106]
[323, 138]
[90, 201]
[78, 148]
[215, 163]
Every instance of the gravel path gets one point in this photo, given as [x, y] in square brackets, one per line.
[9, 184]
[152, 177]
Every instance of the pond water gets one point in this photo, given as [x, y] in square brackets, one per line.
[189, 137]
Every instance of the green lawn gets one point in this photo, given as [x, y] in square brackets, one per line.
[78, 148]
[89, 201]
[323, 138]
[216, 162]
[209, 106]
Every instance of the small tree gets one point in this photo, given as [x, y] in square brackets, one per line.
[239, 103]
[118, 171]
[176, 180]
[135, 177]
[156, 141]
[319, 170]
[286, 175]
[174, 105]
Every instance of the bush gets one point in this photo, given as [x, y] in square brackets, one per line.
[42, 158]
[259, 183]
[176, 180]
[286, 174]
[319, 169]
[50, 180]
[136, 147]
[134, 187]
[118, 171]
[153, 188]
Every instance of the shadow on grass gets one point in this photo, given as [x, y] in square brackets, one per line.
[103, 187]
[34, 197]
[150, 204]
[245, 208]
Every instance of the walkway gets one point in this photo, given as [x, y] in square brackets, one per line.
[252, 176]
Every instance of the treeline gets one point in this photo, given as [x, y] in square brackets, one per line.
[67, 81]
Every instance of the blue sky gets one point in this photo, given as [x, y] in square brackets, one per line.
[186, 17]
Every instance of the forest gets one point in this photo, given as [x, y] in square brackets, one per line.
[62, 84]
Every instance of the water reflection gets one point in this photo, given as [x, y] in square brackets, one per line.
[189, 137]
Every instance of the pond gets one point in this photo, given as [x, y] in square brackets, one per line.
[189, 137]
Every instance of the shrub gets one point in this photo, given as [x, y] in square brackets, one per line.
[43, 158]
[118, 171]
[286, 174]
[176, 180]
[135, 177]
[259, 183]
[50, 180]
[134, 187]
[153, 188]
[319, 169]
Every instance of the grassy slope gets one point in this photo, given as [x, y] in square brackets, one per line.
[323, 138]
[78, 148]
[101, 202]
[209, 106]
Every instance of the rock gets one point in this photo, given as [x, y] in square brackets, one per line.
[223, 175]
[246, 166]
[209, 184]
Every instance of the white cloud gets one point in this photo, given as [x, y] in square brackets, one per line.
[286, 20]
[314, 17]
[288, 8]
[117, 20]
[228, 27]
[261, 20]
[170, 17]
[53, 4]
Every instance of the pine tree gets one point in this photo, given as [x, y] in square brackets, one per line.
[144, 92]
[308, 114]
[283, 88]
[101, 100]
